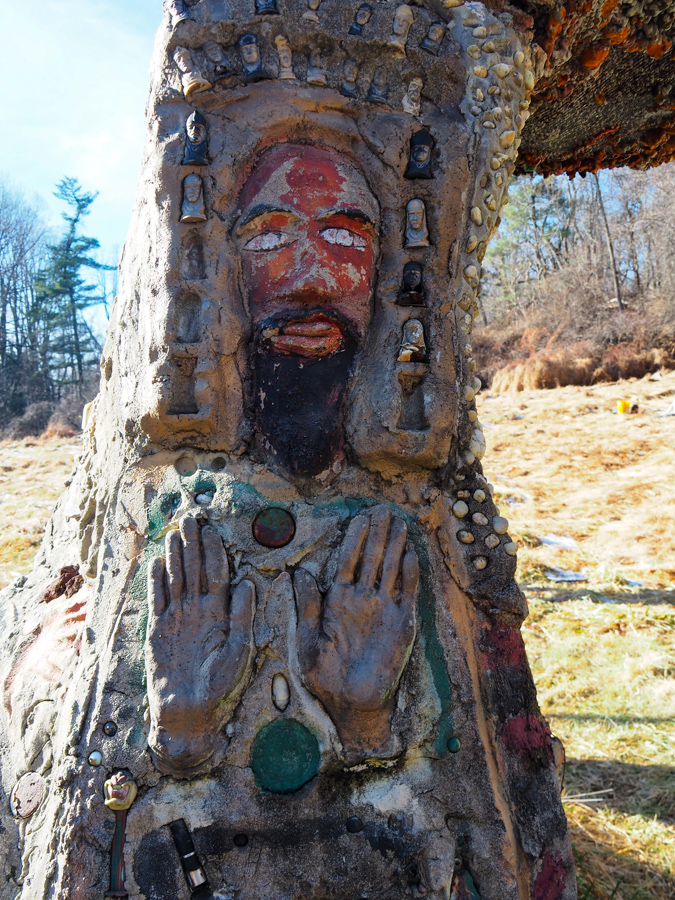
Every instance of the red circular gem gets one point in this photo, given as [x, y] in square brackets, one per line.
[274, 527]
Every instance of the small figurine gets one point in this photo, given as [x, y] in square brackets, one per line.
[316, 72]
[311, 14]
[432, 42]
[416, 232]
[191, 78]
[351, 73]
[421, 148]
[412, 289]
[120, 792]
[403, 20]
[379, 88]
[285, 55]
[266, 8]
[197, 144]
[413, 99]
[177, 10]
[413, 347]
[361, 19]
[194, 208]
[214, 54]
[251, 59]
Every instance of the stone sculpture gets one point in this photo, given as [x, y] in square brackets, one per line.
[214, 54]
[350, 74]
[197, 143]
[194, 207]
[361, 18]
[285, 55]
[421, 147]
[412, 100]
[311, 15]
[432, 42]
[266, 8]
[416, 231]
[251, 60]
[177, 10]
[278, 595]
[191, 78]
[403, 20]
[412, 286]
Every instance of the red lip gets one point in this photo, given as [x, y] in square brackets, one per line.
[313, 337]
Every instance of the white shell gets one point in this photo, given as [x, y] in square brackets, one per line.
[500, 524]
[511, 548]
[460, 509]
[281, 692]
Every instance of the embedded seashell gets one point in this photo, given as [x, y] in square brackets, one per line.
[480, 96]
[497, 113]
[460, 509]
[494, 90]
[490, 202]
[518, 79]
[501, 70]
[506, 139]
[511, 549]
[469, 458]
[452, 4]
[479, 519]
[488, 47]
[463, 495]
[476, 384]
[480, 563]
[473, 415]
[491, 541]
[488, 124]
[480, 32]
[518, 58]
[529, 80]
[495, 163]
[479, 496]
[470, 273]
[484, 178]
[281, 692]
[471, 365]
[476, 215]
[466, 324]
[468, 349]
[499, 181]
[480, 71]
[473, 51]
[471, 244]
[478, 446]
[519, 121]
[465, 303]
[476, 111]
[500, 524]
[469, 393]
[465, 537]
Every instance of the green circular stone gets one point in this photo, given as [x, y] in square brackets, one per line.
[285, 756]
[454, 745]
[274, 527]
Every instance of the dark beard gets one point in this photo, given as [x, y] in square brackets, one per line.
[299, 420]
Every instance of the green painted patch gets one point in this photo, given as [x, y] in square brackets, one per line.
[285, 756]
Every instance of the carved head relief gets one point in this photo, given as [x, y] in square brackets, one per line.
[412, 100]
[350, 74]
[196, 146]
[417, 233]
[361, 19]
[194, 209]
[421, 148]
[403, 20]
[432, 42]
[251, 59]
[177, 10]
[285, 55]
[311, 14]
[266, 8]
[308, 236]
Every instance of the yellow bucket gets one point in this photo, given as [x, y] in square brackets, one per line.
[623, 406]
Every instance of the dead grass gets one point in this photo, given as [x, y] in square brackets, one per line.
[603, 652]
[32, 475]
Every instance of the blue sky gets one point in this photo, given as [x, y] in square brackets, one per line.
[75, 84]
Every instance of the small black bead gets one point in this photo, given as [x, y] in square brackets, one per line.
[354, 825]
[110, 729]
[240, 840]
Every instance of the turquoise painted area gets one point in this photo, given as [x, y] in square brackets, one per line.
[284, 757]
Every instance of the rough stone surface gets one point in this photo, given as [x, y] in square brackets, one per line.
[348, 713]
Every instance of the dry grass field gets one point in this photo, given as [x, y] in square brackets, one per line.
[565, 466]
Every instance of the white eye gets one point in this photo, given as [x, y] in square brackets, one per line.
[270, 240]
[344, 238]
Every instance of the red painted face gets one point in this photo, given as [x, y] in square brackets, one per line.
[308, 239]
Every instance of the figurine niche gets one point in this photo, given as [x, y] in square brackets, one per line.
[413, 99]
[311, 15]
[416, 231]
[413, 347]
[403, 20]
[194, 208]
[350, 74]
[191, 78]
[177, 10]
[432, 42]
[285, 55]
[379, 88]
[412, 291]
[421, 147]
[214, 54]
[316, 70]
[361, 19]
[197, 145]
[266, 8]
[251, 59]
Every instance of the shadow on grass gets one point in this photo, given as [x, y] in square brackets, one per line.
[633, 790]
[564, 594]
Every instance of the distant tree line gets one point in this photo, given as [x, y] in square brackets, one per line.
[48, 350]
[591, 257]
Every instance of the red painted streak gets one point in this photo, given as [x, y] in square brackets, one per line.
[551, 881]
[529, 735]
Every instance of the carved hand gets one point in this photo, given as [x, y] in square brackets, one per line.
[354, 647]
[199, 645]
